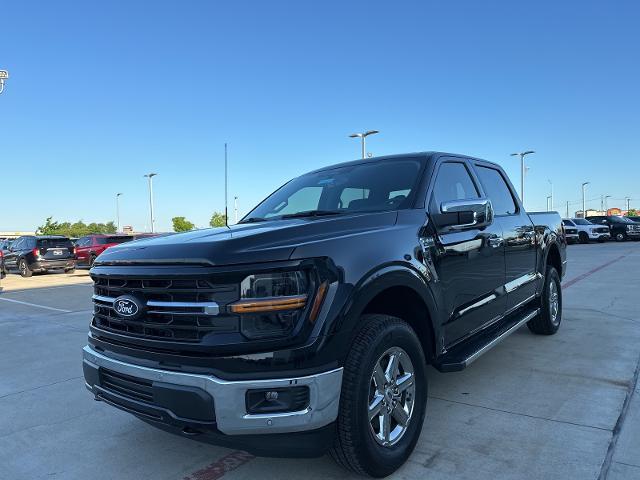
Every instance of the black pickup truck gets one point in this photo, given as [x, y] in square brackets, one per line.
[308, 326]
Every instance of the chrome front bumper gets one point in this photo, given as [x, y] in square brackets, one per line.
[229, 396]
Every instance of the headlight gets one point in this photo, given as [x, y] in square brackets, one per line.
[271, 304]
[629, 227]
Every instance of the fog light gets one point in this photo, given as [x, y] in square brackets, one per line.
[277, 400]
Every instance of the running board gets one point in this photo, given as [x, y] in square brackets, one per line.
[460, 357]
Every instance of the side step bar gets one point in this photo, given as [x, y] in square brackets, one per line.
[463, 355]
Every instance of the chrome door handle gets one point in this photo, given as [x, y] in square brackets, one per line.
[496, 242]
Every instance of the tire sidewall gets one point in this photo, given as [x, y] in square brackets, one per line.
[552, 276]
[382, 461]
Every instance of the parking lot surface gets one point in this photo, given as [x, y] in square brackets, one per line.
[565, 406]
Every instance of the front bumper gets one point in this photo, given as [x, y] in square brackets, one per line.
[599, 236]
[207, 403]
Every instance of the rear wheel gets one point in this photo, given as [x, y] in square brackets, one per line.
[621, 237]
[24, 269]
[92, 260]
[383, 399]
[584, 238]
[548, 321]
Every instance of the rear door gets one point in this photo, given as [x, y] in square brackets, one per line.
[470, 263]
[55, 248]
[518, 233]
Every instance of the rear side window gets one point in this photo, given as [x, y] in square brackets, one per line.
[497, 191]
[54, 243]
[453, 183]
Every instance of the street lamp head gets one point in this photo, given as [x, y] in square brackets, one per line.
[522, 154]
[150, 175]
[585, 183]
[355, 135]
[370, 132]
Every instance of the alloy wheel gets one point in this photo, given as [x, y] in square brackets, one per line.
[391, 396]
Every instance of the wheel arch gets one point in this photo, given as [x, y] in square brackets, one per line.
[402, 293]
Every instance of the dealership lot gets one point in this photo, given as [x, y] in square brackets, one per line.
[534, 407]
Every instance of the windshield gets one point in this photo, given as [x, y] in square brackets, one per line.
[567, 223]
[617, 219]
[365, 187]
[581, 221]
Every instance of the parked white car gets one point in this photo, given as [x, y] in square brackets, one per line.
[588, 231]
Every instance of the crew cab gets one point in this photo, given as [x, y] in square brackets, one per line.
[621, 228]
[89, 247]
[585, 230]
[308, 326]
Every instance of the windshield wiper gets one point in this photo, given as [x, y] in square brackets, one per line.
[312, 213]
[253, 220]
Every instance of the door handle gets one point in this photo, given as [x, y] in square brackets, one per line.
[496, 242]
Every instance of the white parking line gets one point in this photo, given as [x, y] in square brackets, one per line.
[35, 305]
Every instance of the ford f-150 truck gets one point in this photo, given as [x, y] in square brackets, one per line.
[308, 326]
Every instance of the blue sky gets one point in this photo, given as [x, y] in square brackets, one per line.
[102, 92]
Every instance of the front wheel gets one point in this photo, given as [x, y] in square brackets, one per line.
[383, 398]
[548, 321]
[584, 238]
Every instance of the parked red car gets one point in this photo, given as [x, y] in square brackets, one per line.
[88, 248]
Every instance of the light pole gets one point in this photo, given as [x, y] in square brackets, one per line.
[522, 155]
[551, 183]
[584, 208]
[362, 136]
[628, 199]
[150, 177]
[548, 197]
[567, 208]
[606, 204]
[118, 210]
[3, 76]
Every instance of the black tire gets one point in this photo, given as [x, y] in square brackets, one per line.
[584, 238]
[92, 260]
[621, 237]
[24, 269]
[356, 447]
[70, 270]
[601, 240]
[546, 323]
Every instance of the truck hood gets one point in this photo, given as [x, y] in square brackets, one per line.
[244, 243]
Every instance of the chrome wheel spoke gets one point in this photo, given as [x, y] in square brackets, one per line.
[379, 378]
[392, 369]
[400, 415]
[375, 406]
[404, 382]
[385, 427]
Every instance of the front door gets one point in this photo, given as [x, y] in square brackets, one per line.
[469, 262]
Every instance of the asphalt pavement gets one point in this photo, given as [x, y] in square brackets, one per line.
[559, 407]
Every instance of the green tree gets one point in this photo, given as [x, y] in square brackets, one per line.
[181, 224]
[632, 212]
[218, 219]
[76, 229]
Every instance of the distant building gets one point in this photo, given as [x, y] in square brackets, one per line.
[15, 234]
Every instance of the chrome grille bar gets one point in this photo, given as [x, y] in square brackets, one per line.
[208, 308]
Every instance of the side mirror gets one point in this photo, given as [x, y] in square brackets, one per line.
[462, 214]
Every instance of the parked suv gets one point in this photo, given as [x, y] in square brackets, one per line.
[586, 230]
[621, 227]
[634, 218]
[309, 325]
[29, 254]
[88, 248]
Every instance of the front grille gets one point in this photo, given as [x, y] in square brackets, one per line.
[601, 230]
[179, 310]
[130, 387]
[570, 231]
